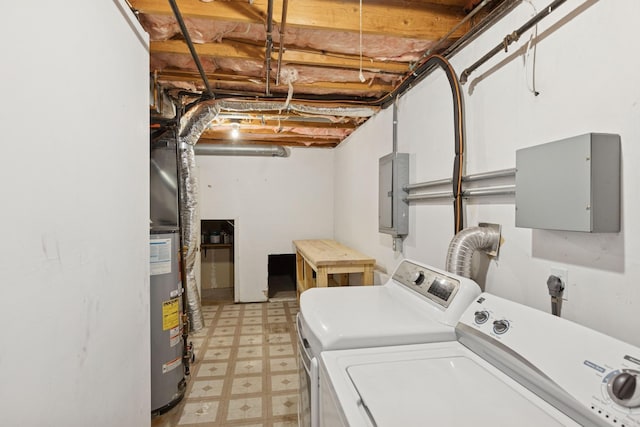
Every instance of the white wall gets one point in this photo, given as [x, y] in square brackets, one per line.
[74, 183]
[272, 201]
[587, 76]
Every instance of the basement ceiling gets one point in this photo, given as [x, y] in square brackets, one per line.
[327, 54]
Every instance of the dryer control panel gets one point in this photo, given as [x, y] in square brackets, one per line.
[435, 285]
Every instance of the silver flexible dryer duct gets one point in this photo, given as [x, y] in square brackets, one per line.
[465, 243]
[192, 124]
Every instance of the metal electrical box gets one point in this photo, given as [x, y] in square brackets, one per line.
[572, 184]
[393, 210]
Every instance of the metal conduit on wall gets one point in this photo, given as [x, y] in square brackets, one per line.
[466, 193]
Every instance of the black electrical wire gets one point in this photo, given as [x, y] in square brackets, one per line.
[458, 119]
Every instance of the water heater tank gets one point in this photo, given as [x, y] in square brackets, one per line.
[167, 347]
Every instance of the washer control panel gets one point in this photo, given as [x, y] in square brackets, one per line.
[599, 373]
[435, 285]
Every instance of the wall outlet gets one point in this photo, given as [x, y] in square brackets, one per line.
[563, 274]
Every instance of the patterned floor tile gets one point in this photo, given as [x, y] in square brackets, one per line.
[290, 421]
[286, 382]
[217, 354]
[250, 339]
[230, 313]
[245, 360]
[223, 341]
[246, 352]
[284, 405]
[277, 319]
[252, 320]
[246, 385]
[199, 412]
[248, 367]
[228, 321]
[224, 330]
[279, 338]
[252, 329]
[283, 364]
[281, 350]
[206, 388]
[240, 409]
[208, 369]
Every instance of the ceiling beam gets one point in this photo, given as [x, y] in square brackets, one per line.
[404, 18]
[226, 80]
[237, 50]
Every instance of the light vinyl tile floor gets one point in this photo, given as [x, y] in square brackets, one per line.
[245, 373]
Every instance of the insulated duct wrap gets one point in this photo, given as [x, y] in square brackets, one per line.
[192, 124]
[465, 243]
[190, 227]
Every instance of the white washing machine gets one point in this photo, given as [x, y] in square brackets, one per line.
[510, 366]
[418, 304]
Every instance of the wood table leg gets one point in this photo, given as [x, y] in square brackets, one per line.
[299, 272]
[308, 276]
[367, 275]
[322, 279]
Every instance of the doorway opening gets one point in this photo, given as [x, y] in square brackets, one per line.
[217, 260]
[282, 276]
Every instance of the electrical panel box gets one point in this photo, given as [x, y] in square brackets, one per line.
[393, 209]
[572, 184]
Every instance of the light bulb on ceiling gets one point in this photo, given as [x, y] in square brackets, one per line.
[235, 131]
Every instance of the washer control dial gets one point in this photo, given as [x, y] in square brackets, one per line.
[623, 388]
[418, 277]
[500, 326]
[481, 317]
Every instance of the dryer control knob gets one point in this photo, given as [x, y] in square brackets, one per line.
[418, 277]
[480, 317]
[623, 388]
[500, 326]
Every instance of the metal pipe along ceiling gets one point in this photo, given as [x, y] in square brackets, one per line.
[240, 150]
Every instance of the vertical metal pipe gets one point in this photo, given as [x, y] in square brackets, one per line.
[283, 23]
[269, 46]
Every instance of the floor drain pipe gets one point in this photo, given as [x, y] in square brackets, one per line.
[485, 237]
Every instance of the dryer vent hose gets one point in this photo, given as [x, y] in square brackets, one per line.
[465, 243]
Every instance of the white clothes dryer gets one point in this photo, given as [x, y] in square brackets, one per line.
[418, 304]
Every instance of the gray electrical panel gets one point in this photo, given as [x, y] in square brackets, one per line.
[393, 210]
[572, 184]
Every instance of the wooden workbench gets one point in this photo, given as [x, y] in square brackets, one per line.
[328, 257]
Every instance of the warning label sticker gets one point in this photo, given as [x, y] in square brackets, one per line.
[170, 366]
[170, 314]
[174, 337]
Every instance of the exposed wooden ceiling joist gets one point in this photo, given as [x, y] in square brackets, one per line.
[318, 58]
[403, 18]
[239, 50]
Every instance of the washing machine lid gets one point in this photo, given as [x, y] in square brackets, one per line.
[447, 386]
[371, 316]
